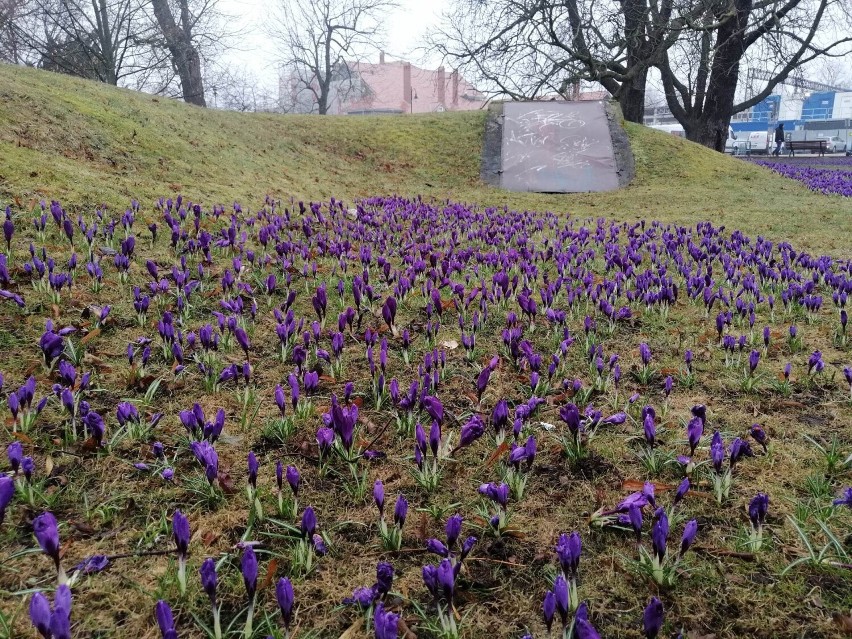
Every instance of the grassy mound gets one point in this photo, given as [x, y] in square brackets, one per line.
[85, 143]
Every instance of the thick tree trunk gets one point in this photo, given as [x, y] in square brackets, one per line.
[631, 98]
[185, 58]
[711, 132]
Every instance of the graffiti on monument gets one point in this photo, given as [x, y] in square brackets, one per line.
[557, 147]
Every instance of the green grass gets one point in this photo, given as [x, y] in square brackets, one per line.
[86, 143]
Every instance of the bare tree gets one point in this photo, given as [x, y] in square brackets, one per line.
[700, 74]
[528, 48]
[317, 37]
[103, 40]
[13, 45]
[236, 89]
[180, 41]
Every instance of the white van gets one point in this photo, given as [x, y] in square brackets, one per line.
[759, 142]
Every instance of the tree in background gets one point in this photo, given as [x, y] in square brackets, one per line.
[316, 38]
[103, 40]
[528, 48]
[701, 72]
[159, 46]
[180, 36]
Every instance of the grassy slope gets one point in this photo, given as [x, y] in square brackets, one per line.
[85, 143]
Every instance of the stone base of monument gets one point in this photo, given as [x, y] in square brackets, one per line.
[556, 147]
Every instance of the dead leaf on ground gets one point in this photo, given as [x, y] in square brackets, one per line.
[352, 631]
[844, 622]
[226, 483]
[91, 335]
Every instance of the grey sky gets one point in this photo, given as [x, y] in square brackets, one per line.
[256, 53]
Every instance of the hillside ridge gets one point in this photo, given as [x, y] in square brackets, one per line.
[86, 143]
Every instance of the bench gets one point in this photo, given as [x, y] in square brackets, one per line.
[816, 146]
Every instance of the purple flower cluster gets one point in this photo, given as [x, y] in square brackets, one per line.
[819, 178]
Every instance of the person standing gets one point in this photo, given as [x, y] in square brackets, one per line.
[779, 139]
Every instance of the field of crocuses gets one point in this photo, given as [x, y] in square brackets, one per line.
[412, 418]
[829, 175]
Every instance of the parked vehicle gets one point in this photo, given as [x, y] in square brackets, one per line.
[760, 142]
[836, 144]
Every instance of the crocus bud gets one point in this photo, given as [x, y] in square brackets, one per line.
[285, 597]
[208, 579]
[653, 618]
[379, 496]
[248, 566]
[46, 532]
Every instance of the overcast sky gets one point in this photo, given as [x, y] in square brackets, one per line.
[405, 29]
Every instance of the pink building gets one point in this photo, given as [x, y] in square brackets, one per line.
[401, 87]
[392, 87]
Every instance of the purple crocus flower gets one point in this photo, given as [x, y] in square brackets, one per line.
[242, 339]
[570, 414]
[548, 608]
[40, 614]
[389, 311]
[209, 579]
[471, 431]
[634, 515]
[645, 353]
[384, 578]
[7, 492]
[325, 439]
[293, 478]
[46, 531]
[15, 453]
[652, 618]
[694, 432]
[753, 360]
[434, 408]
[482, 381]
[845, 499]
[660, 534]
[650, 429]
[379, 496]
[453, 530]
[759, 435]
[309, 523]
[165, 620]
[568, 550]
[285, 598]
[51, 345]
[385, 622]
[400, 511]
[498, 493]
[253, 467]
[717, 451]
[437, 547]
[562, 597]
[815, 363]
[689, 532]
[446, 580]
[248, 567]
[681, 491]
[757, 509]
[181, 534]
[740, 448]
